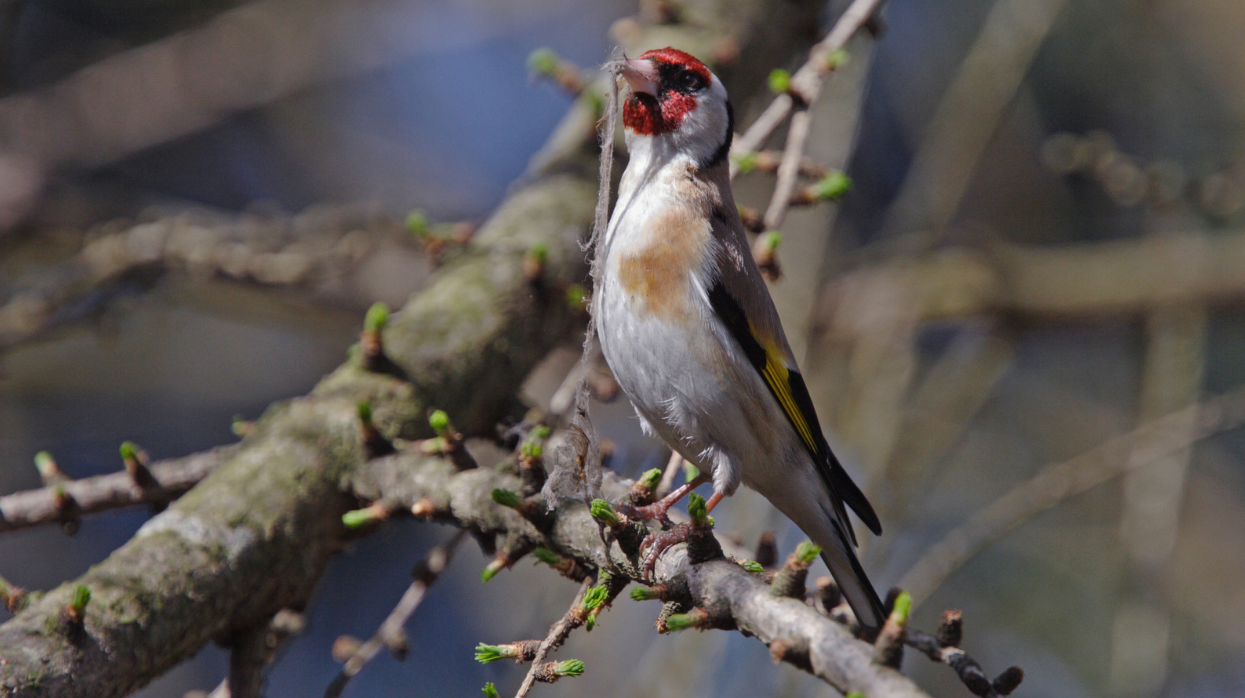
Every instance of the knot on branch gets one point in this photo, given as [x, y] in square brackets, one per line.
[793, 652]
[532, 459]
[566, 566]
[702, 545]
[512, 551]
[374, 443]
[448, 442]
[888, 648]
[789, 581]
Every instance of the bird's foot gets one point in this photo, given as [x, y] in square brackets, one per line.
[659, 511]
[658, 543]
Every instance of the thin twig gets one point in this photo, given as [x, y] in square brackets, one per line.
[807, 81]
[426, 572]
[945, 648]
[768, 160]
[789, 168]
[104, 492]
[557, 635]
[313, 251]
[1057, 482]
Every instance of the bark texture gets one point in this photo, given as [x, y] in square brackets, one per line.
[253, 537]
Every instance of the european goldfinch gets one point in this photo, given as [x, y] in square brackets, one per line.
[688, 327]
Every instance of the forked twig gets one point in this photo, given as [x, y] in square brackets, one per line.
[557, 635]
[390, 632]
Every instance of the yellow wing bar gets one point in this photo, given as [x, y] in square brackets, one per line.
[776, 375]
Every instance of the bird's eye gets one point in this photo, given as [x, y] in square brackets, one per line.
[691, 81]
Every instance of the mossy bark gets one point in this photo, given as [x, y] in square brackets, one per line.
[253, 537]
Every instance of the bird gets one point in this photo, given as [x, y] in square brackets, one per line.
[690, 332]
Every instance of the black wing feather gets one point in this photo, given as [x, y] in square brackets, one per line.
[828, 466]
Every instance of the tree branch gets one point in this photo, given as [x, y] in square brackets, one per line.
[253, 537]
[390, 632]
[1071, 282]
[103, 492]
[812, 641]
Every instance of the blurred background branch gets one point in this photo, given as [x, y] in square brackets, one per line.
[1032, 254]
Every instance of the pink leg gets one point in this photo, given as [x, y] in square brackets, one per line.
[657, 510]
[656, 544]
[713, 500]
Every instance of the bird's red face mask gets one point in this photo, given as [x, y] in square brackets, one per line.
[664, 84]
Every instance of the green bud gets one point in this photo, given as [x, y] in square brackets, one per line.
[361, 517]
[417, 223]
[594, 597]
[679, 621]
[543, 62]
[690, 472]
[490, 691]
[837, 59]
[603, 512]
[696, 508]
[746, 162]
[239, 425]
[833, 186]
[129, 451]
[650, 479]
[903, 606]
[752, 566]
[365, 412]
[806, 552]
[533, 449]
[854, 694]
[491, 570]
[81, 597]
[539, 252]
[546, 556]
[377, 317]
[492, 653]
[439, 421]
[779, 81]
[46, 465]
[507, 498]
[771, 240]
[643, 594]
[569, 667]
[576, 296]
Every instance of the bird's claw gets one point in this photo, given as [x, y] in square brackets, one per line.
[658, 543]
[658, 511]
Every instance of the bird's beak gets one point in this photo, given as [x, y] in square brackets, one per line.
[641, 74]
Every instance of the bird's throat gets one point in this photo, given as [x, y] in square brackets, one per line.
[647, 116]
[642, 114]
